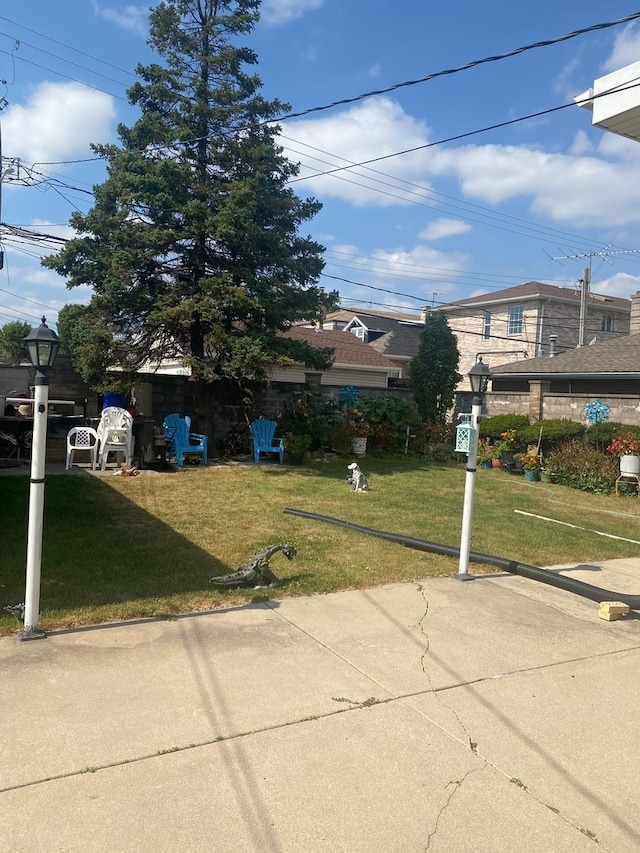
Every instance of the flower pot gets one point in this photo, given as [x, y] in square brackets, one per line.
[507, 457]
[359, 445]
[532, 476]
[496, 463]
[630, 465]
[487, 463]
[546, 477]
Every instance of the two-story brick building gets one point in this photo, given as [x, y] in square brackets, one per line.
[531, 319]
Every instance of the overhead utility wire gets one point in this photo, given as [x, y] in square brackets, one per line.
[68, 61]
[451, 138]
[464, 206]
[466, 67]
[67, 46]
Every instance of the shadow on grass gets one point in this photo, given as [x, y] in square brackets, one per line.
[103, 557]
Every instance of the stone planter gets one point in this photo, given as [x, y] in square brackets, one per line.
[630, 465]
[359, 445]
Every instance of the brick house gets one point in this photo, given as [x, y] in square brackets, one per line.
[526, 321]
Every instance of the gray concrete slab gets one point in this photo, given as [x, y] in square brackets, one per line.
[483, 716]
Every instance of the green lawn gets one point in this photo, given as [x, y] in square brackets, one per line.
[122, 548]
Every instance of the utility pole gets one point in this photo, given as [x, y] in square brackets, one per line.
[584, 295]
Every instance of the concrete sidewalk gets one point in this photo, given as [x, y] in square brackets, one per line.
[497, 715]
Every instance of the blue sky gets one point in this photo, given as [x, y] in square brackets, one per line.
[446, 221]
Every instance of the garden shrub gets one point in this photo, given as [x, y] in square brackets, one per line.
[388, 418]
[494, 426]
[554, 431]
[602, 434]
[577, 463]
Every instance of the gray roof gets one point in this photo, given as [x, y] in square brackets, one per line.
[400, 342]
[539, 290]
[620, 356]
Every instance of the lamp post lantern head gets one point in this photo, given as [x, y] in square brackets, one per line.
[479, 377]
[43, 346]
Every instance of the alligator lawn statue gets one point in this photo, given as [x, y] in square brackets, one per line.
[255, 572]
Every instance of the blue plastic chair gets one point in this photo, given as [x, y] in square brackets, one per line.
[262, 432]
[182, 442]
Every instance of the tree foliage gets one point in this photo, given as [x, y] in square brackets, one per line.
[433, 371]
[192, 246]
[13, 349]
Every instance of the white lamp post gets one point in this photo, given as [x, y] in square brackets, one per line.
[43, 346]
[479, 379]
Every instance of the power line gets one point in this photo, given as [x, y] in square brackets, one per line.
[466, 67]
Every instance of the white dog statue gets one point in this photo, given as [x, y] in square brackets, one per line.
[357, 479]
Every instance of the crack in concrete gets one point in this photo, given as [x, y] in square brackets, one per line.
[456, 785]
[473, 746]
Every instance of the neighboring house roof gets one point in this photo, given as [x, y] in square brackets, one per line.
[539, 290]
[345, 314]
[617, 357]
[349, 350]
[393, 336]
[401, 342]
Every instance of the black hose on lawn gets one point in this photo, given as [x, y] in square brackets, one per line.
[586, 590]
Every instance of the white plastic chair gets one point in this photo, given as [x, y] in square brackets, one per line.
[82, 438]
[115, 434]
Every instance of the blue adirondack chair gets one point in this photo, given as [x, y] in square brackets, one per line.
[263, 441]
[181, 441]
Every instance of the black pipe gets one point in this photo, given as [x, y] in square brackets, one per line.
[586, 590]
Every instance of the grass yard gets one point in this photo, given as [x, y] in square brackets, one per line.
[124, 548]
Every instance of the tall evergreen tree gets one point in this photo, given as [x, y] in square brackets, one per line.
[192, 245]
[13, 349]
[433, 372]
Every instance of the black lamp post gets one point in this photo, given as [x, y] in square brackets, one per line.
[479, 376]
[43, 346]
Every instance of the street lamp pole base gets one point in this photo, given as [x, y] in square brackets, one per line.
[463, 576]
[32, 634]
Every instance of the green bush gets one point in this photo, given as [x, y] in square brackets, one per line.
[577, 463]
[602, 434]
[493, 427]
[554, 431]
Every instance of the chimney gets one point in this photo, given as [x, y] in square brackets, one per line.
[553, 340]
[634, 320]
[424, 312]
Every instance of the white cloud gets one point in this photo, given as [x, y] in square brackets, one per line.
[621, 284]
[278, 12]
[569, 189]
[626, 49]
[374, 70]
[439, 228]
[581, 144]
[364, 132]
[58, 122]
[133, 19]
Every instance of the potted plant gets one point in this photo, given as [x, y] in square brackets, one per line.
[504, 447]
[531, 465]
[626, 446]
[295, 445]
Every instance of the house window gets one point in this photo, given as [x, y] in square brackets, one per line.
[358, 331]
[515, 320]
[607, 323]
[486, 325]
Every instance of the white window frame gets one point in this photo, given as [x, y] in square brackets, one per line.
[516, 319]
[607, 323]
[486, 325]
